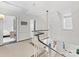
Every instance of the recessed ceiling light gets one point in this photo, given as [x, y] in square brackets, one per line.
[2, 16]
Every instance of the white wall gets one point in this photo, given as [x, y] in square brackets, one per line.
[55, 23]
[23, 31]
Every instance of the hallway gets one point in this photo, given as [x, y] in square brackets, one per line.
[20, 49]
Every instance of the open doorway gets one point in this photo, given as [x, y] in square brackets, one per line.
[9, 29]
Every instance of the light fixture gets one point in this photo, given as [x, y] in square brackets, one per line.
[2, 16]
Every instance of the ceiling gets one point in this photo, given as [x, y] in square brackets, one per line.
[33, 7]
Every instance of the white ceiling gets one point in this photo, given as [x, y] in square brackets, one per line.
[33, 7]
[8, 9]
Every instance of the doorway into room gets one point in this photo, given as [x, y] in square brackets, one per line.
[9, 29]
